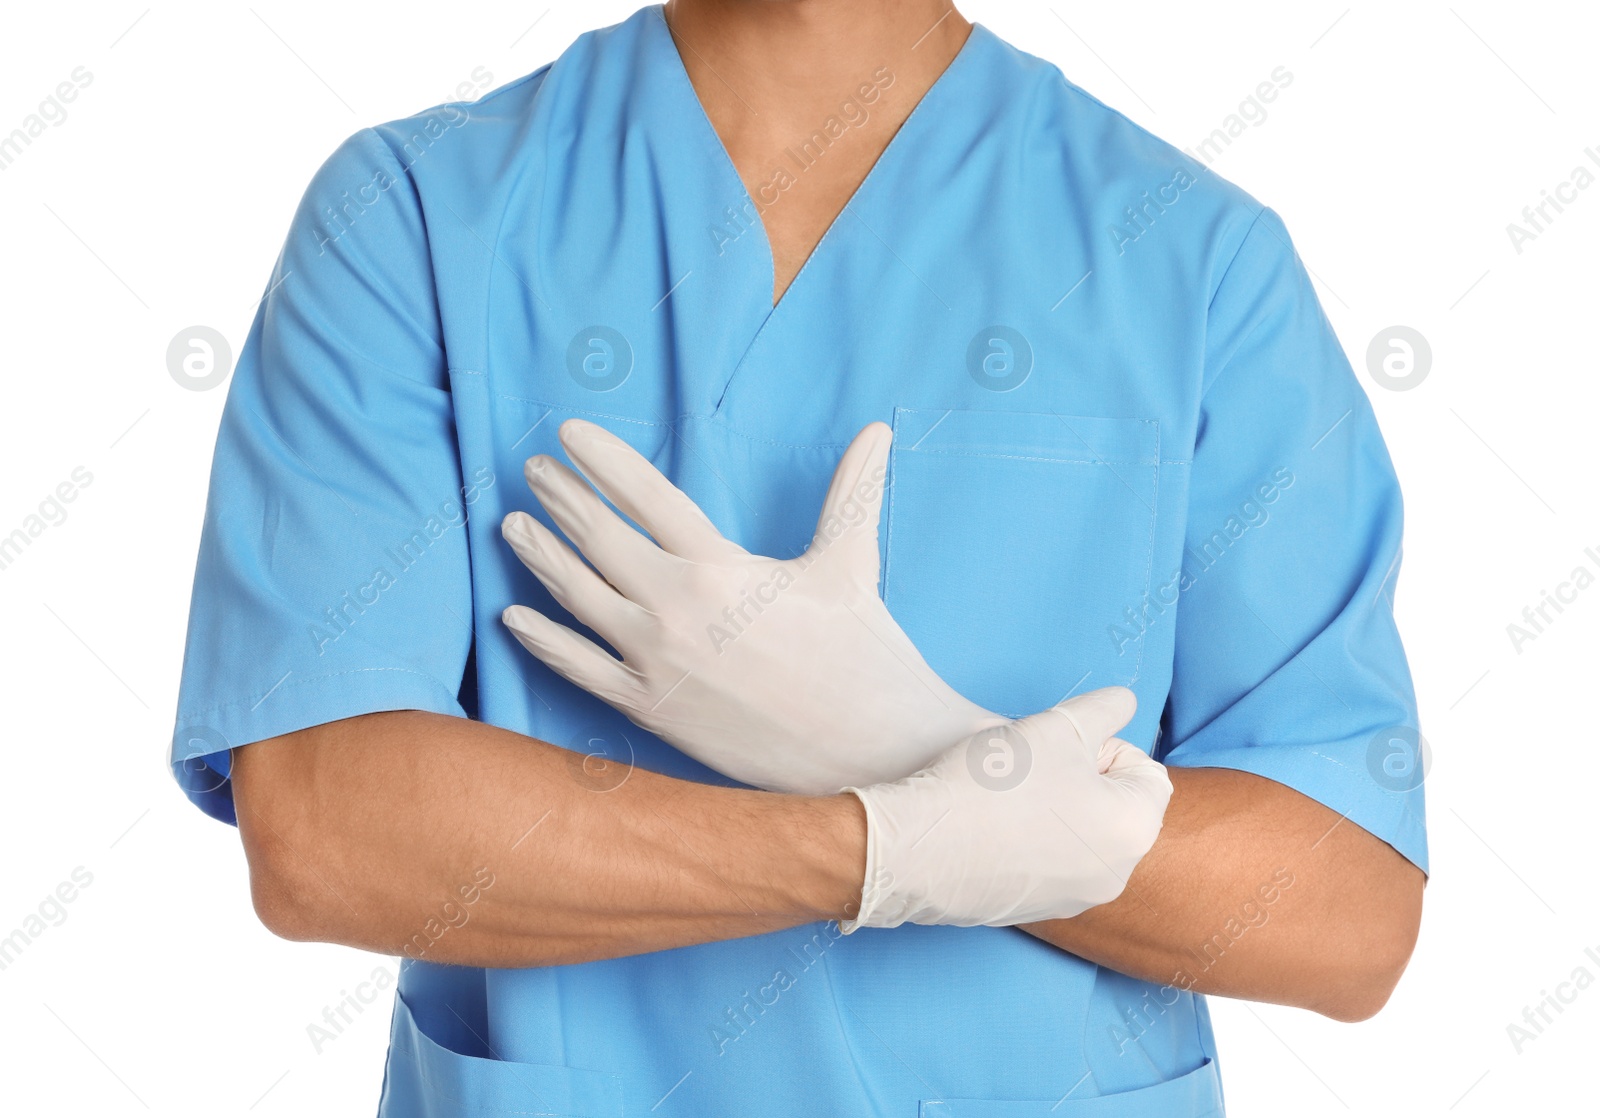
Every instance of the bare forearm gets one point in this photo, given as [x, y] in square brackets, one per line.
[382, 831]
[1255, 891]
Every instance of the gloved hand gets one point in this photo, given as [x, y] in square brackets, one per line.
[1039, 819]
[787, 674]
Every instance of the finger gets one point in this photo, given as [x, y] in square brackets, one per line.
[630, 482]
[1117, 755]
[1098, 715]
[570, 655]
[1143, 776]
[626, 558]
[848, 525]
[572, 582]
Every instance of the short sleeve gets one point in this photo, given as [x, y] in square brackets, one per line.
[1288, 663]
[332, 577]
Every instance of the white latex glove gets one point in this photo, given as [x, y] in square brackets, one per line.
[1039, 819]
[787, 674]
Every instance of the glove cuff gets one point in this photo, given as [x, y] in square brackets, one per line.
[900, 816]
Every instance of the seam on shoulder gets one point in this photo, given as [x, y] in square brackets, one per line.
[372, 136]
[1079, 91]
[493, 94]
[1234, 259]
[1205, 389]
[514, 83]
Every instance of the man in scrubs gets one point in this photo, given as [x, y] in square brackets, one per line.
[1127, 452]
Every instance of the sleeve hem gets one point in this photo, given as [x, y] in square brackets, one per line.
[202, 743]
[1383, 814]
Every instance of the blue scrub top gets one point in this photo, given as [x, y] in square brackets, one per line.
[1128, 450]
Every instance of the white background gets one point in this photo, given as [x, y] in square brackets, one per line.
[1411, 136]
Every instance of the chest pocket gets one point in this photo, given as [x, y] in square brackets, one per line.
[1016, 545]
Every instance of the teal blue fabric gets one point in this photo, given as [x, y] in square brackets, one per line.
[1129, 450]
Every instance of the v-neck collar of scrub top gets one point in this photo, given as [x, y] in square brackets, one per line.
[682, 103]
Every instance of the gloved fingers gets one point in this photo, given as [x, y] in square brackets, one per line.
[571, 581]
[1141, 775]
[1117, 754]
[625, 558]
[848, 525]
[570, 655]
[629, 481]
[1098, 715]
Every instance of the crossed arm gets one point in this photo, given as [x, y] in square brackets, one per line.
[358, 832]
[363, 831]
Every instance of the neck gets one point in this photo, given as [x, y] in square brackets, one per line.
[806, 94]
[785, 59]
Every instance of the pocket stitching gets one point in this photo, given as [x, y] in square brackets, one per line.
[1155, 458]
[407, 1040]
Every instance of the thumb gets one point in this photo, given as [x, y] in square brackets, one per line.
[848, 524]
[1098, 715]
[1129, 766]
